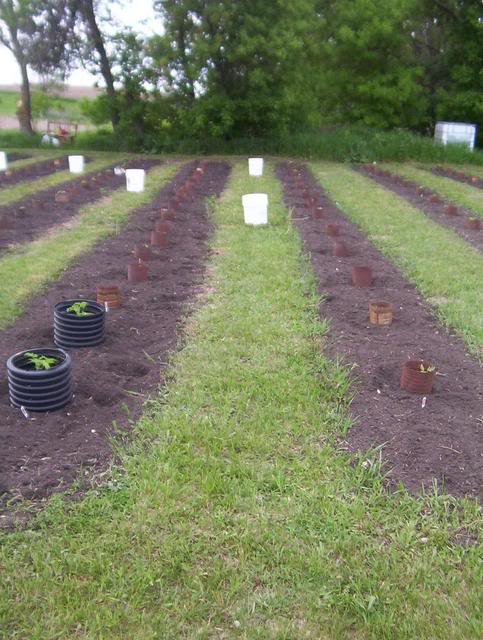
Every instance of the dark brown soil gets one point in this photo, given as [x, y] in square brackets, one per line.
[474, 181]
[33, 171]
[25, 220]
[441, 441]
[421, 197]
[44, 453]
[13, 157]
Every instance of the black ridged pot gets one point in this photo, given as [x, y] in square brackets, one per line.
[40, 390]
[71, 331]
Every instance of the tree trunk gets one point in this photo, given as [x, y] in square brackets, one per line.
[24, 112]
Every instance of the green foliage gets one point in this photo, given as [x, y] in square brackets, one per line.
[41, 362]
[80, 309]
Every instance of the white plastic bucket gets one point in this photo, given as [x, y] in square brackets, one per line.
[255, 208]
[255, 166]
[3, 161]
[76, 164]
[135, 179]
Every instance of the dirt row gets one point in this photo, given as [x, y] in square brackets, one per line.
[29, 218]
[431, 203]
[44, 453]
[460, 176]
[33, 171]
[421, 441]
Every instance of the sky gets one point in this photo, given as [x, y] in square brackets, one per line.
[139, 15]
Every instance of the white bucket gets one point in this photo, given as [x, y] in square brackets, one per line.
[76, 164]
[255, 166]
[255, 208]
[135, 179]
[3, 161]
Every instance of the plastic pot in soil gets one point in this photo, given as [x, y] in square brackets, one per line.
[109, 296]
[73, 331]
[255, 208]
[255, 166]
[414, 380]
[158, 239]
[473, 223]
[361, 276]
[135, 179]
[137, 271]
[380, 313]
[162, 226]
[318, 212]
[62, 196]
[76, 164]
[3, 161]
[42, 389]
[340, 250]
[452, 210]
[143, 252]
[332, 229]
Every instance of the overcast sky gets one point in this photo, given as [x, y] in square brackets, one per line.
[139, 16]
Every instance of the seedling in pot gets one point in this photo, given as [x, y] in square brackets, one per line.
[426, 368]
[80, 309]
[41, 362]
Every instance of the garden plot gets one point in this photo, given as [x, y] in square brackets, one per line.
[33, 171]
[25, 220]
[462, 220]
[46, 451]
[460, 176]
[421, 439]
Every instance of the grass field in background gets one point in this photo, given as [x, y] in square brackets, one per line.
[61, 108]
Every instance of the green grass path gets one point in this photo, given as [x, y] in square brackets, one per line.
[446, 269]
[236, 516]
[457, 192]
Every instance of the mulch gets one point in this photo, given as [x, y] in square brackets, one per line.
[429, 202]
[459, 176]
[441, 441]
[45, 453]
[27, 219]
[33, 171]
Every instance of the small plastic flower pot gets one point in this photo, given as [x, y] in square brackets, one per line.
[340, 250]
[62, 196]
[72, 331]
[109, 296]
[163, 226]
[40, 389]
[361, 276]
[452, 210]
[143, 252]
[473, 223]
[318, 212]
[380, 313]
[158, 239]
[414, 379]
[137, 271]
[332, 229]
[435, 199]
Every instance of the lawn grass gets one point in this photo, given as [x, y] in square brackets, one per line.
[236, 515]
[32, 266]
[457, 192]
[444, 267]
[26, 188]
[60, 108]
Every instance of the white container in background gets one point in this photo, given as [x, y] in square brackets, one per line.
[255, 208]
[255, 166]
[3, 161]
[76, 164]
[456, 132]
[135, 179]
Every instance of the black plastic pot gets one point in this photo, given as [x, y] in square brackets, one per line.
[43, 390]
[71, 331]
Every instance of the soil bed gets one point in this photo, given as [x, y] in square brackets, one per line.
[44, 454]
[474, 181]
[13, 157]
[25, 220]
[441, 440]
[421, 197]
[34, 171]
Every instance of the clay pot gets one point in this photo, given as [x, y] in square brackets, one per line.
[332, 229]
[340, 250]
[361, 276]
[380, 313]
[473, 223]
[137, 271]
[158, 239]
[167, 213]
[435, 199]
[162, 226]
[414, 380]
[452, 210]
[62, 196]
[143, 252]
[109, 296]
[318, 212]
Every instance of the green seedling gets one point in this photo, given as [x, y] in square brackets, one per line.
[428, 369]
[79, 309]
[40, 361]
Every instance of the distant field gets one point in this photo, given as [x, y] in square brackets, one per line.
[61, 107]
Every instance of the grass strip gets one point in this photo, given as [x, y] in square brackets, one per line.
[457, 192]
[444, 267]
[13, 165]
[24, 271]
[235, 516]
[22, 190]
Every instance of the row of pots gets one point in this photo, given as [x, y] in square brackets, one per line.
[417, 376]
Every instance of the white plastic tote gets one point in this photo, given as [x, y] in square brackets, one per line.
[76, 164]
[135, 179]
[255, 208]
[3, 161]
[255, 166]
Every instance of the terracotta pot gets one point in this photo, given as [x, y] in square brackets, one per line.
[414, 380]
[473, 223]
[332, 229]
[109, 296]
[143, 252]
[380, 313]
[168, 213]
[452, 210]
[158, 239]
[318, 212]
[361, 276]
[62, 196]
[340, 250]
[435, 199]
[137, 271]
[163, 226]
